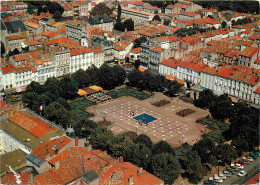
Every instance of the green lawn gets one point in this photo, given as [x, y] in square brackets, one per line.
[128, 91]
[79, 105]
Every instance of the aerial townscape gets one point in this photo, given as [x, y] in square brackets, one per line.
[129, 92]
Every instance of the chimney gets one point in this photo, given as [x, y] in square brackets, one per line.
[11, 113]
[57, 165]
[76, 141]
[121, 159]
[140, 171]
[131, 180]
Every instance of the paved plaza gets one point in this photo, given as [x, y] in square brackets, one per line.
[167, 126]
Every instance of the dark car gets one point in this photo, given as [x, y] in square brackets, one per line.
[209, 182]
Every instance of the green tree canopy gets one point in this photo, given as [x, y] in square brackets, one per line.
[101, 138]
[162, 147]
[144, 139]
[226, 153]
[166, 167]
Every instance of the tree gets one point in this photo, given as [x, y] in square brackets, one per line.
[226, 153]
[92, 76]
[162, 147]
[240, 144]
[52, 87]
[119, 26]
[56, 15]
[45, 9]
[34, 87]
[119, 11]
[166, 167]
[206, 99]
[80, 76]
[64, 103]
[222, 108]
[144, 139]
[129, 25]
[205, 149]
[140, 155]
[2, 49]
[84, 127]
[120, 145]
[53, 7]
[223, 24]
[156, 18]
[173, 88]
[101, 138]
[101, 9]
[69, 87]
[212, 160]
[195, 170]
[55, 112]
[31, 100]
[120, 75]
[137, 63]
[107, 77]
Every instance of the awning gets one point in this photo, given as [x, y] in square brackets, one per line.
[172, 78]
[96, 88]
[81, 92]
[141, 69]
[10, 91]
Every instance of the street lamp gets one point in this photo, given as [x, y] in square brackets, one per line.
[183, 136]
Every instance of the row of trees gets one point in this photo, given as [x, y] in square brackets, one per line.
[182, 32]
[153, 82]
[243, 119]
[241, 21]
[44, 6]
[158, 159]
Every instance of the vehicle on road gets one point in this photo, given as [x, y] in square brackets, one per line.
[209, 182]
[222, 176]
[227, 173]
[241, 173]
[240, 162]
[249, 158]
[240, 166]
[233, 166]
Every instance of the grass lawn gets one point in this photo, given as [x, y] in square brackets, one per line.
[79, 105]
[128, 91]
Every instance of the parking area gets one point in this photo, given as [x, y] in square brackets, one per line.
[237, 173]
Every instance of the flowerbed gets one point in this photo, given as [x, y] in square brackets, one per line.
[161, 103]
[185, 112]
[104, 123]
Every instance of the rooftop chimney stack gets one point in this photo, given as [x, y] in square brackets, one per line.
[57, 165]
[140, 171]
[76, 141]
[121, 159]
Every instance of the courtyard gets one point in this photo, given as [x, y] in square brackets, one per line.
[159, 123]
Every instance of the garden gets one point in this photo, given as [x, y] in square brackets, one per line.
[218, 128]
[128, 92]
[80, 107]
[104, 123]
[185, 112]
[161, 103]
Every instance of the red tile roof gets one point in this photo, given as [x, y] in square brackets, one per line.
[80, 51]
[9, 68]
[47, 148]
[14, 37]
[257, 90]
[57, 41]
[224, 72]
[135, 50]
[169, 63]
[249, 52]
[157, 49]
[257, 61]
[98, 50]
[30, 123]
[11, 179]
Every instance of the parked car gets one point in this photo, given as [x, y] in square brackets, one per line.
[209, 182]
[250, 158]
[240, 162]
[241, 173]
[240, 166]
[222, 176]
[227, 173]
[257, 154]
[233, 166]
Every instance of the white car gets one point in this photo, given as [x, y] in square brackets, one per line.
[250, 159]
[217, 178]
[222, 176]
[241, 173]
[240, 166]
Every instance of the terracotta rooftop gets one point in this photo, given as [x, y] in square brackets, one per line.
[30, 123]
[157, 49]
[49, 147]
[14, 37]
[249, 52]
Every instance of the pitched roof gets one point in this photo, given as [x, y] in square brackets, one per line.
[249, 52]
[157, 49]
[31, 24]
[41, 61]
[14, 26]
[80, 51]
[98, 50]
[50, 146]
[11, 178]
[169, 63]
[30, 123]
[14, 37]
[224, 72]
[257, 90]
